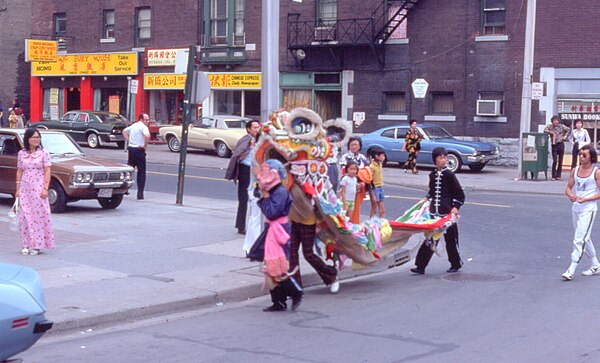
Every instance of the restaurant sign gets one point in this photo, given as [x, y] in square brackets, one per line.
[40, 50]
[164, 81]
[89, 64]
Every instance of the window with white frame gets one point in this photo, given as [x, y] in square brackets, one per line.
[144, 24]
[493, 17]
[239, 31]
[326, 12]
[218, 22]
[442, 103]
[394, 103]
[108, 27]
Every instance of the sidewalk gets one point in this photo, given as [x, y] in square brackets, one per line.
[146, 258]
[152, 257]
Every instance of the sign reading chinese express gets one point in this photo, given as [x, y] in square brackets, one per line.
[164, 81]
[235, 80]
[40, 50]
[161, 57]
[93, 64]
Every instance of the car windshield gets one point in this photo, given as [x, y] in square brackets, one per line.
[107, 117]
[437, 133]
[59, 144]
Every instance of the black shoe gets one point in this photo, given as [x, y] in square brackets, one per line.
[242, 231]
[417, 270]
[452, 270]
[140, 196]
[296, 300]
[276, 307]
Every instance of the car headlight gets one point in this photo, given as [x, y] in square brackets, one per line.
[122, 176]
[79, 177]
[476, 152]
[497, 151]
[128, 175]
[87, 177]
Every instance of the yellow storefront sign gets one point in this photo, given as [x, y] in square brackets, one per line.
[92, 64]
[235, 80]
[40, 50]
[164, 81]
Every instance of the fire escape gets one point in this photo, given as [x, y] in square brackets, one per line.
[372, 32]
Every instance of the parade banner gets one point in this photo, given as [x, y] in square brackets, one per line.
[40, 50]
[235, 80]
[164, 81]
[93, 64]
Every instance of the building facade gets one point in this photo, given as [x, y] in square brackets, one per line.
[352, 59]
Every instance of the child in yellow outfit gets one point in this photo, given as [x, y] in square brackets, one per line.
[376, 166]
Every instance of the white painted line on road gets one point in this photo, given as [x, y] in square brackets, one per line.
[470, 203]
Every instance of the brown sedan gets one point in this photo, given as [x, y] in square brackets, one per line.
[75, 176]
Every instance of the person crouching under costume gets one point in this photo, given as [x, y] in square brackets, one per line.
[275, 203]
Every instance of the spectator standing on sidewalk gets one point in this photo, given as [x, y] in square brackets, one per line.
[18, 112]
[583, 190]
[33, 180]
[412, 144]
[446, 196]
[2, 124]
[364, 176]
[558, 135]
[238, 170]
[137, 137]
[579, 137]
[376, 166]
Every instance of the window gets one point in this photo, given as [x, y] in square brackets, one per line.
[394, 103]
[144, 22]
[493, 16]
[327, 12]
[218, 22]
[108, 17]
[60, 24]
[493, 96]
[402, 29]
[391, 133]
[239, 34]
[442, 103]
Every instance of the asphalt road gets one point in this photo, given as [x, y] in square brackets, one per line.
[508, 304]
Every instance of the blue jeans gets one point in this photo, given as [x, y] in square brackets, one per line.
[379, 195]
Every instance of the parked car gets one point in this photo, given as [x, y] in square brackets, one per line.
[219, 133]
[75, 176]
[93, 128]
[471, 153]
[22, 309]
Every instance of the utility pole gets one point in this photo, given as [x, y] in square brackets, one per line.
[527, 78]
[269, 64]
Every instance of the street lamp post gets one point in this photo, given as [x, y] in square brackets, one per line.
[269, 100]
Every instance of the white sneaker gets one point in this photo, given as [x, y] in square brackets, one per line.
[25, 251]
[334, 287]
[34, 252]
[567, 276]
[592, 271]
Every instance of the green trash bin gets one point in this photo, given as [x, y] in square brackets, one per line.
[534, 154]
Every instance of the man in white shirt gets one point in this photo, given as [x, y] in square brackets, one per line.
[137, 136]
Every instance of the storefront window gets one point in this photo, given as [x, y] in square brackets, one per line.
[293, 98]
[252, 104]
[166, 107]
[228, 103]
[111, 100]
[53, 107]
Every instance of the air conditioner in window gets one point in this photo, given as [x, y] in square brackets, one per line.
[324, 33]
[489, 107]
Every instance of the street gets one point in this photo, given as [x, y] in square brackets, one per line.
[508, 304]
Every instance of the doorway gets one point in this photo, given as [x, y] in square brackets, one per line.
[73, 99]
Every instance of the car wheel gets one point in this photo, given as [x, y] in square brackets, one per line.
[476, 168]
[112, 202]
[453, 163]
[57, 197]
[173, 144]
[222, 149]
[92, 140]
[121, 144]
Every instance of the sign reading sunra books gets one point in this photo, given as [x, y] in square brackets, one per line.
[92, 64]
[40, 50]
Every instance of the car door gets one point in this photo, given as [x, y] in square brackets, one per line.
[201, 133]
[9, 148]
[427, 145]
[65, 122]
[79, 126]
[390, 143]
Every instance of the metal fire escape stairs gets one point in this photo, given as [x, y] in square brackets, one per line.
[371, 31]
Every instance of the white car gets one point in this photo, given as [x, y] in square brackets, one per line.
[22, 309]
[219, 133]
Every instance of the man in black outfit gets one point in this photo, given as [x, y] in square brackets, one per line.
[446, 196]
[239, 170]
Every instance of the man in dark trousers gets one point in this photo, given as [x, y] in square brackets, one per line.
[137, 137]
[446, 196]
[239, 170]
[558, 135]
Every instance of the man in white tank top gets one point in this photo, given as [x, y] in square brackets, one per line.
[583, 190]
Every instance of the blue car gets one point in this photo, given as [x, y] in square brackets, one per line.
[471, 153]
[22, 309]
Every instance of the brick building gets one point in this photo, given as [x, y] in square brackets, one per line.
[338, 57]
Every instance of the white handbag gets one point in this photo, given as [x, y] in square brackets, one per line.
[13, 215]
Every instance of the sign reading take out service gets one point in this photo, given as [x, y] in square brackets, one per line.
[419, 87]
[90, 64]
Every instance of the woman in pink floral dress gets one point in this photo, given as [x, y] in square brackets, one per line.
[33, 179]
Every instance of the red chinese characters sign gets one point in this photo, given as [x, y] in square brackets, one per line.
[161, 57]
[94, 64]
[40, 50]
[164, 81]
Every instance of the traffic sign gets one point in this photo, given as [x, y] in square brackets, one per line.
[419, 87]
